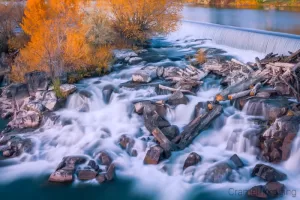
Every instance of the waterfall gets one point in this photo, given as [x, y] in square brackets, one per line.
[242, 38]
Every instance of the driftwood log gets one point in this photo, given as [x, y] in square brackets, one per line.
[193, 129]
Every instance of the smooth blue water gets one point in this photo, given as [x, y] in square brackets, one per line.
[269, 20]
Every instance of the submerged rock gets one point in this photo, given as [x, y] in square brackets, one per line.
[192, 160]
[237, 161]
[218, 173]
[268, 173]
[177, 98]
[107, 92]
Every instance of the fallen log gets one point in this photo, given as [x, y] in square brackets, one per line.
[293, 56]
[239, 94]
[174, 90]
[192, 130]
[238, 87]
[255, 89]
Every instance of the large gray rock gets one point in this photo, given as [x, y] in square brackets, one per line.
[270, 108]
[135, 60]
[218, 173]
[268, 173]
[107, 92]
[270, 190]
[276, 141]
[37, 80]
[144, 75]
[48, 99]
[121, 54]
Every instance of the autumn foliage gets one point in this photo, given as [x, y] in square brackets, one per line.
[58, 40]
[74, 35]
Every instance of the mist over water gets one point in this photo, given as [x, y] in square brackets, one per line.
[101, 125]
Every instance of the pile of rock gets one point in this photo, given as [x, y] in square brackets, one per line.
[73, 167]
[273, 188]
[25, 103]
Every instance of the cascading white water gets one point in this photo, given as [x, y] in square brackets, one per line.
[241, 38]
[100, 127]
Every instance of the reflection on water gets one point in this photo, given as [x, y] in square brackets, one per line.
[271, 20]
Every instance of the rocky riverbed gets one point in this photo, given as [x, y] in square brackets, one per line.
[164, 120]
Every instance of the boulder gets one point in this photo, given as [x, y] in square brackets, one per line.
[144, 75]
[270, 190]
[101, 178]
[154, 155]
[237, 161]
[160, 71]
[192, 160]
[104, 158]
[127, 143]
[65, 171]
[110, 173]
[37, 80]
[49, 100]
[268, 173]
[67, 89]
[86, 174]
[177, 98]
[85, 93]
[15, 146]
[159, 107]
[93, 165]
[218, 173]
[121, 54]
[257, 192]
[274, 189]
[26, 119]
[135, 60]
[270, 108]
[276, 142]
[106, 93]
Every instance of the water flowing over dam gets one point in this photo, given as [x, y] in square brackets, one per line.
[242, 38]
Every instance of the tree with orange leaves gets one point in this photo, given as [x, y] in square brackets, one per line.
[57, 37]
[138, 20]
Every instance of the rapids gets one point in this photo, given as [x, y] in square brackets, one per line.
[87, 133]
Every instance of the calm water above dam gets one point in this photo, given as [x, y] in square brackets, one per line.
[285, 21]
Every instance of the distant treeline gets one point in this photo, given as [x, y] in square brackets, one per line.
[247, 2]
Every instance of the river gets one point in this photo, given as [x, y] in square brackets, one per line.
[26, 177]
